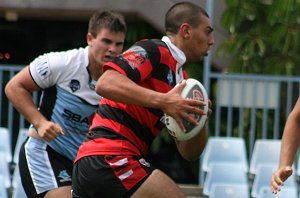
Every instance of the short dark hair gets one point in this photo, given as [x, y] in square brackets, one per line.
[107, 19]
[183, 12]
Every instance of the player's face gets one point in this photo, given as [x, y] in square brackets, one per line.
[105, 46]
[201, 40]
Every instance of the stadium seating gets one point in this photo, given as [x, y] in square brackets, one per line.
[3, 189]
[224, 173]
[5, 143]
[21, 138]
[4, 170]
[18, 191]
[263, 177]
[224, 149]
[224, 164]
[230, 191]
[287, 192]
[264, 152]
[298, 166]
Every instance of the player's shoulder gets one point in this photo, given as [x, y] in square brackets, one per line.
[55, 63]
[151, 43]
[150, 47]
[62, 60]
[67, 56]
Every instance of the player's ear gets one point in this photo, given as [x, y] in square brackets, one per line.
[89, 38]
[185, 30]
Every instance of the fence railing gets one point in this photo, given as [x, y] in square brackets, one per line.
[251, 106]
[9, 117]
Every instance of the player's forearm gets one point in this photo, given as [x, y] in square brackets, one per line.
[193, 148]
[290, 142]
[119, 88]
[291, 137]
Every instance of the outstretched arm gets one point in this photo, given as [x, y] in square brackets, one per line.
[289, 145]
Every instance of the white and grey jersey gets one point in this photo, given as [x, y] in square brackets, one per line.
[68, 97]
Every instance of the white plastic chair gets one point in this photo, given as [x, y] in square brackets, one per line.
[3, 189]
[230, 191]
[18, 191]
[224, 149]
[264, 152]
[4, 170]
[5, 143]
[298, 165]
[224, 173]
[21, 138]
[286, 192]
[263, 177]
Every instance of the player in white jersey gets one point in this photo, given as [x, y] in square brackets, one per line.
[59, 124]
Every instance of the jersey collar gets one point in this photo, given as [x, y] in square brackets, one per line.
[86, 55]
[175, 51]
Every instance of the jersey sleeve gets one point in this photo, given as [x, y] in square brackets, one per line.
[138, 62]
[46, 69]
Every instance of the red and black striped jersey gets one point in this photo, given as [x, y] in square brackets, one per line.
[123, 129]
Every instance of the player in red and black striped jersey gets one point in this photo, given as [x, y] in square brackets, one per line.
[138, 88]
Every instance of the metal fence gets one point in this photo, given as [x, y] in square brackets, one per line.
[9, 117]
[251, 106]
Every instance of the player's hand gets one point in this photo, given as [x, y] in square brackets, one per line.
[180, 108]
[49, 131]
[279, 177]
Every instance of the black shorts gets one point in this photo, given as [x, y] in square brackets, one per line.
[42, 168]
[109, 176]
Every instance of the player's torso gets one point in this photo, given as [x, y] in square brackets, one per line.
[138, 124]
[70, 102]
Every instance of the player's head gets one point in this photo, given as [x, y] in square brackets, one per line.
[106, 36]
[111, 20]
[189, 25]
[183, 12]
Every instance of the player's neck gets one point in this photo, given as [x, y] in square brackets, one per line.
[95, 71]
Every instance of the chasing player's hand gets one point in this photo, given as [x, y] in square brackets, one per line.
[49, 131]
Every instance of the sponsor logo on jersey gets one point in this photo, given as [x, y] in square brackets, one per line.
[74, 85]
[74, 117]
[135, 56]
[64, 176]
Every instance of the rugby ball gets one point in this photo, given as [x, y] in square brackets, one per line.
[195, 90]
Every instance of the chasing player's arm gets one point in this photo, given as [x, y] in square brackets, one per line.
[18, 90]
